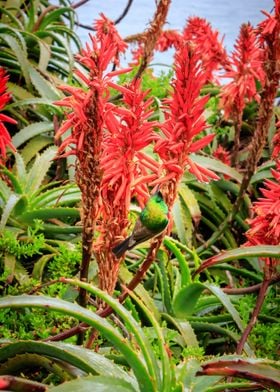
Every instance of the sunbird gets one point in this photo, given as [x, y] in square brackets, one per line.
[152, 221]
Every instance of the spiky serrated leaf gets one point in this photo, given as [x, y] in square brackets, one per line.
[9, 266]
[20, 53]
[86, 360]
[54, 17]
[21, 273]
[267, 374]
[94, 383]
[45, 56]
[39, 169]
[30, 131]
[19, 92]
[39, 266]
[146, 383]
[43, 87]
[8, 209]
[35, 146]
[240, 253]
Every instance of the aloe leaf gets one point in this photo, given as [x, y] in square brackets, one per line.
[188, 198]
[131, 324]
[21, 273]
[21, 384]
[86, 360]
[9, 267]
[19, 92]
[166, 367]
[43, 87]
[35, 101]
[22, 363]
[5, 11]
[5, 192]
[20, 53]
[184, 266]
[165, 288]
[268, 374]
[125, 275]
[187, 375]
[185, 301]
[34, 146]
[185, 329]
[45, 55]
[54, 17]
[20, 169]
[8, 209]
[64, 230]
[57, 196]
[62, 42]
[50, 213]
[93, 320]
[39, 170]
[30, 131]
[15, 181]
[225, 300]
[39, 266]
[94, 383]
[240, 253]
[179, 220]
[204, 326]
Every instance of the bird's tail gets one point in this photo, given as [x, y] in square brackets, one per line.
[121, 248]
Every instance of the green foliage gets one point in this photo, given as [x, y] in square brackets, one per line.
[30, 198]
[159, 86]
[178, 326]
[65, 262]
[22, 248]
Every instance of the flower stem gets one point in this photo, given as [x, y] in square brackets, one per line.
[254, 317]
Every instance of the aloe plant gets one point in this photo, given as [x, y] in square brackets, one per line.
[29, 198]
[149, 373]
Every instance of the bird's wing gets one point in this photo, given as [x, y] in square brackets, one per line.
[140, 234]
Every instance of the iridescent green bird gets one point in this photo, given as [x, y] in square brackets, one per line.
[152, 221]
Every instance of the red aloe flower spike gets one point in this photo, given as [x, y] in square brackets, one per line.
[5, 138]
[127, 170]
[184, 121]
[245, 69]
[86, 120]
[207, 43]
[105, 29]
[276, 142]
[265, 226]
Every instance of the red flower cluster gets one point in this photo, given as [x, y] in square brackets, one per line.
[222, 155]
[265, 226]
[184, 119]
[270, 26]
[5, 138]
[245, 69]
[206, 41]
[168, 39]
[126, 168]
[104, 49]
